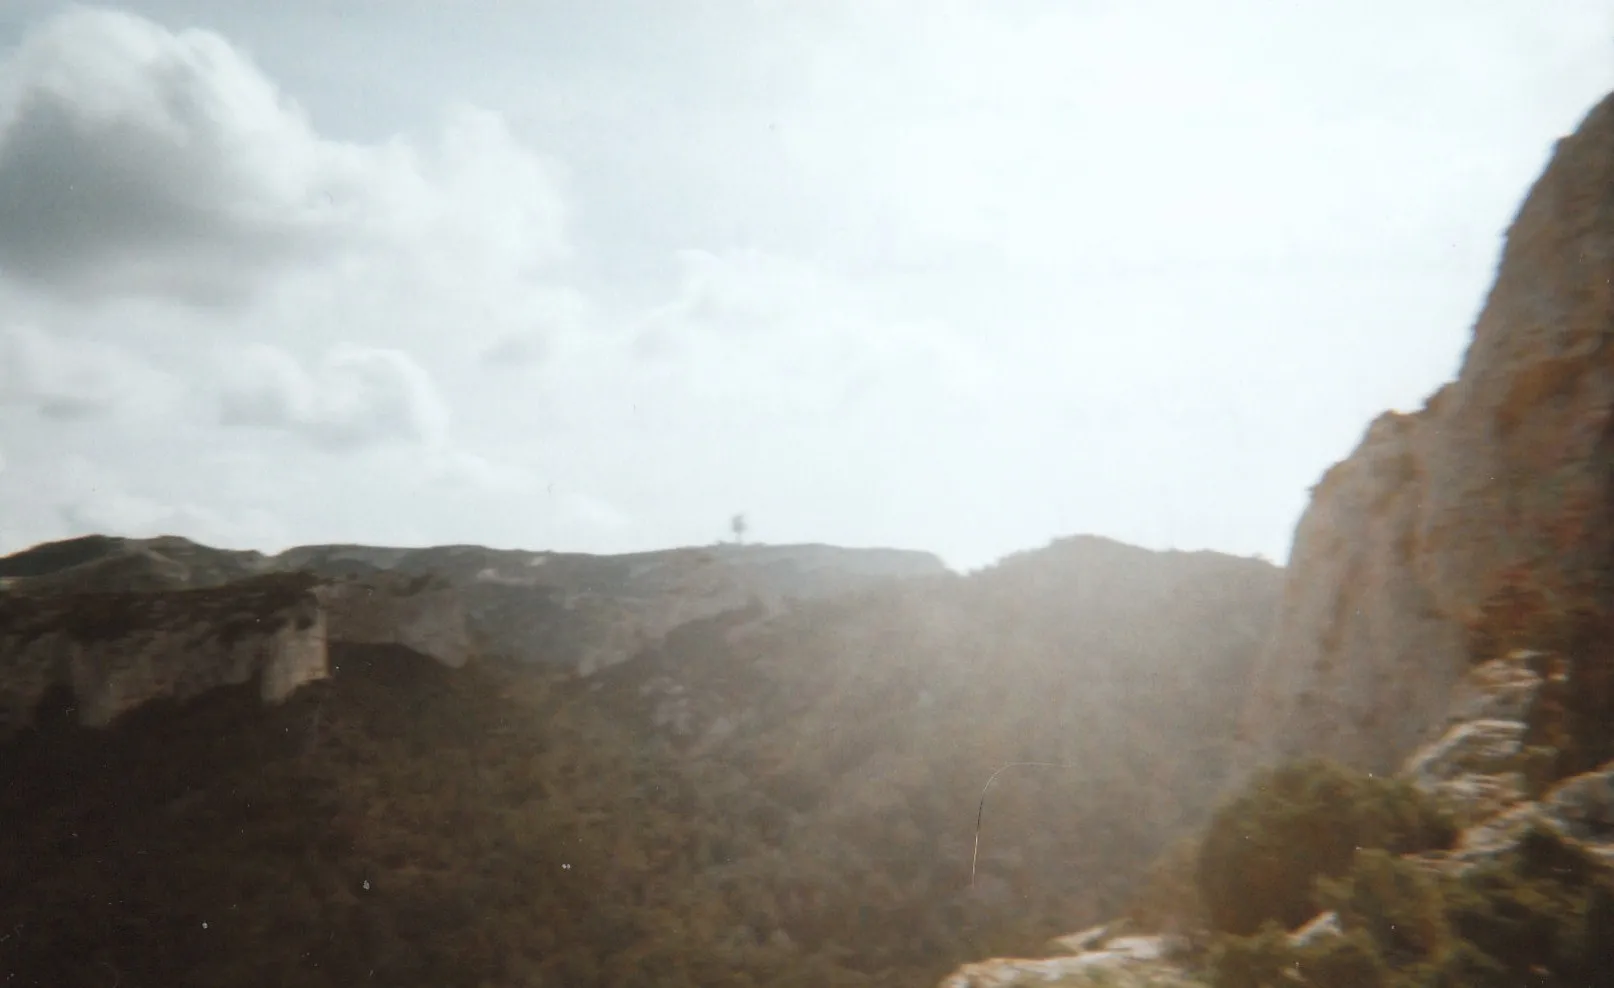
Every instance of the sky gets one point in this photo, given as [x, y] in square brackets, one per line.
[961, 277]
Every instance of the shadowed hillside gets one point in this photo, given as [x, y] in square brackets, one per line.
[759, 801]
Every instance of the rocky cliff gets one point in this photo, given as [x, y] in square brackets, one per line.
[115, 651]
[1481, 523]
[780, 800]
[417, 613]
[571, 609]
[118, 651]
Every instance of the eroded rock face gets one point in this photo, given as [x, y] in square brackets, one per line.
[1486, 762]
[419, 614]
[1360, 655]
[1579, 811]
[591, 613]
[572, 609]
[117, 651]
[1482, 523]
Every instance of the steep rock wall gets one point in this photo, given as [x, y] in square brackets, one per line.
[1485, 522]
[419, 614]
[117, 651]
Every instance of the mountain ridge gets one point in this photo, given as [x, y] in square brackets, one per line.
[761, 796]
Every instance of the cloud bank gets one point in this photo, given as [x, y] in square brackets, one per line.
[958, 277]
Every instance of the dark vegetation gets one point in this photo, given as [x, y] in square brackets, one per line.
[256, 604]
[777, 803]
[1529, 609]
[1541, 914]
[53, 556]
[1264, 849]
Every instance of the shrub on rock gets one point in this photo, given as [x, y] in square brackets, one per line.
[1265, 848]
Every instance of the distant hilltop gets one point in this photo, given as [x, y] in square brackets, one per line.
[584, 611]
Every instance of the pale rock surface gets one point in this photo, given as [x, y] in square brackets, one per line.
[1580, 810]
[1482, 764]
[390, 610]
[119, 651]
[1119, 962]
[1478, 524]
[1322, 927]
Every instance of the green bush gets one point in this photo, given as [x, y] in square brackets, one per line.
[1268, 960]
[1395, 903]
[1297, 822]
[1541, 915]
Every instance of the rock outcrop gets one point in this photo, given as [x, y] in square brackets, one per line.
[118, 650]
[1105, 961]
[418, 613]
[1483, 769]
[579, 611]
[1483, 522]
[592, 612]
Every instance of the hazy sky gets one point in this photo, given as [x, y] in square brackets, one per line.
[954, 276]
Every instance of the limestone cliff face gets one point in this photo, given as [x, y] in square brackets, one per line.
[570, 609]
[117, 651]
[1361, 661]
[418, 614]
[593, 612]
[1482, 523]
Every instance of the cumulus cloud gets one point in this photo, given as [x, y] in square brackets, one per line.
[66, 379]
[550, 318]
[225, 243]
[139, 161]
[132, 159]
[352, 397]
[73, 493]
[771, 328]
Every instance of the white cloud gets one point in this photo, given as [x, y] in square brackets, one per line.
[354, 397]
[187, 251]
[1160, 134]
[135, 160]
[578, 508]
[139, 161]
[68, 379]
[752, 325]
[74, 494]
[952, 275]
